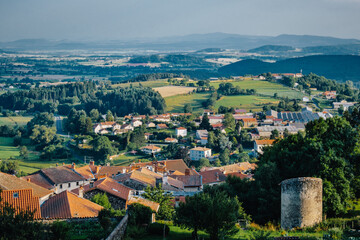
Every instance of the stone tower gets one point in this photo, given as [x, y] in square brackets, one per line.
[301, 202]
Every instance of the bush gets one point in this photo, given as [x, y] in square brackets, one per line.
[135, 232]
[139, 214]
[60, 230]
[261, 235]
[158, 229]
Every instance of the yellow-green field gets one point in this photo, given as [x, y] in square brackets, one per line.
[18, 120]
[264, 87]
[176, 103]
[247, 102]
[152, 84]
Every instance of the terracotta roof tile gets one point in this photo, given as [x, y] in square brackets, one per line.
[212, 176]
[153, 205]
[22, 199]
[62, 174]
[68, 205]
[143, 178]
[10, 182]
[265, 142]
[189, 180]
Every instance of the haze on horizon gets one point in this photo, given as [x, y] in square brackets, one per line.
[91, 20]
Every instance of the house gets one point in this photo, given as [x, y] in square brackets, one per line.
[208, 112]
[120, 131]
[344, 104]
[150, 125]
[202, 135]
[265, 131]
[128, 127]
[199, 152]
[212, 177]
[150, 149]
[138, 180]
[148, 135]
[136, 123]
[219, 126]
[329, 94]
[117, 193]
[161, 126]
[171, 140]
[260, 144]
[58, 179]
[22, 200]
[192, 183]
[305, 99]
[67, 205]
[242, 167]
[172, 184]
[181, 131]
[249, 122]
[11, 182]
[216, 119]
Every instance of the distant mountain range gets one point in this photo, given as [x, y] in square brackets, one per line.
[188, 42]
[339, 67]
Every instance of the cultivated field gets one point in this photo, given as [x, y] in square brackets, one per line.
[169, 91]
[176, 103]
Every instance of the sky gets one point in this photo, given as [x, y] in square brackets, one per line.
[93, 20]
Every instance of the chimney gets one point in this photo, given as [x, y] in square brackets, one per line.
[187, 172]
[165, 180]
[28, 180]
[97, 168]
[156, 166]
[91, 163]
[73, 166]
[124, 170]
[108, 164]
[81, 192]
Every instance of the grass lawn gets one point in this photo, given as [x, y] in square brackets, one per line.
[264, 87]
[18, 120]
[247, 102]
[126, 159]
[152, 84]
[176, 233]
[176, 103]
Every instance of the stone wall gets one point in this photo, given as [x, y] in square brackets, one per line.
[301, 202]
[119, 232]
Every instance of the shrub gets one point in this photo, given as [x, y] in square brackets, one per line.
[60, 230]
[135, 232]
[261, 235]
[139, 214]
[158, 229]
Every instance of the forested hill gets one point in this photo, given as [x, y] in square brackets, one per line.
[339, 67]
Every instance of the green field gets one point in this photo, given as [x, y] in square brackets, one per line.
[18, 120]
[176, 103]
[247, 102]
[125, 159]
[152, 84]
[30, 165]
[264, 87]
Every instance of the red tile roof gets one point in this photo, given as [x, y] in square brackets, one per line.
[10, 182]
[61, 174]
[22, 199]
[212, 176]
[68, 205]
[265, 142]
[110, 186]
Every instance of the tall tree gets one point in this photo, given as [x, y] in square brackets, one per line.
[157, 194]
[205, 123]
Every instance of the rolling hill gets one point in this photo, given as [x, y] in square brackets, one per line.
[338, 67]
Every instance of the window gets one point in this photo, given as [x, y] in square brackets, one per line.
[15, 195]
[69, 184]
[77, 183]
[60, 186]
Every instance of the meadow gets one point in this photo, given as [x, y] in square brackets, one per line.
[14, 120]
[264, 87]
[176, 103]
[29, 165]
[248, 102]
